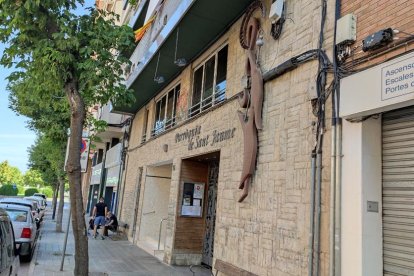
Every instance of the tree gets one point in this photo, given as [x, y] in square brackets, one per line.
[57, 53]
[33, 178]
[47, 156]
[10, 174]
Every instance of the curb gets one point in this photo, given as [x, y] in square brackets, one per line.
[34, 258]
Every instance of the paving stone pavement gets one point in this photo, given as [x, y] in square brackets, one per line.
[106, 257]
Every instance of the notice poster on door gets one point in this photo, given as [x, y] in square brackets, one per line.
[192, 199]
[198, 190]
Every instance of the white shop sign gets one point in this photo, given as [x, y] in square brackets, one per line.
[398, 79]
[384, 87]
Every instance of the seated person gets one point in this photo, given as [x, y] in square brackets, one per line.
[111, 223]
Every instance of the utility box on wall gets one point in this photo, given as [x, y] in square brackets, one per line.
[346, 29]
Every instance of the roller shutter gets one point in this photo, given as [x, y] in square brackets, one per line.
[398, 191]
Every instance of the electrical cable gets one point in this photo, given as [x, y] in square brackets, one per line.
[347, 67]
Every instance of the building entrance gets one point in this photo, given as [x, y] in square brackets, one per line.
[195, 223]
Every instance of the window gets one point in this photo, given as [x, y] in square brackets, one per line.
[210, 82]
[145, 126]
[17, 215]
[165, 111]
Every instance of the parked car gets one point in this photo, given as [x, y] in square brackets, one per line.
[33, 204]
[41, 195]
[41, 201]
[9, 251]
[25, 229]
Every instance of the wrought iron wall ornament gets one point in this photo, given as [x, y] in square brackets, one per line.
[252, 101]
[244, 41]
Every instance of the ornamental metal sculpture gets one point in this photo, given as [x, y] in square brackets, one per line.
[252, 101]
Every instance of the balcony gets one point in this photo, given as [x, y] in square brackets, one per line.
[96, 174]
[114, 121]
[113, 156]
[200, 23]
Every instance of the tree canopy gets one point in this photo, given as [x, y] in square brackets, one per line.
[10, 174]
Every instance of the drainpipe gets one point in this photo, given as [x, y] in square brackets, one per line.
[332, 210]
[318, 200]
[118, 188]
[336, 148]
[338, 195]
[312, 212]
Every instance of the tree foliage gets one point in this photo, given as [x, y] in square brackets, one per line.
[33, 178]
[10, 174]
[47, 157]
[50, 46]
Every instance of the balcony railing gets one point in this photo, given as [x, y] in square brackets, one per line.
[204, 105]
[162, 126]
[207, 103]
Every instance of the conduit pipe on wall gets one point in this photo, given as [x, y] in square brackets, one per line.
[318, 189]
[336, 147]
[338, 195]
[332, 189]
[312, 212]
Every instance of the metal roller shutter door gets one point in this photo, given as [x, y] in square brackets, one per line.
[398, 191]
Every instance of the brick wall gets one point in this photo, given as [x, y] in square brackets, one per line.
[374, 15]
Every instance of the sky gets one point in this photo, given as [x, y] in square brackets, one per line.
[15, 138]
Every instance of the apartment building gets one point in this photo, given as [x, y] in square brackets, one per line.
[226, 134]
[106, 159]
[376, 102]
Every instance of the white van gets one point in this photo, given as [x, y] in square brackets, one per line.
[9, 253]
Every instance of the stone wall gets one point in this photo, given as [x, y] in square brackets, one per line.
[268, 233]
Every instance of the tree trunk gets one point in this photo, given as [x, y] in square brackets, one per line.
[54, 201]
[61, 203]
[73, 168]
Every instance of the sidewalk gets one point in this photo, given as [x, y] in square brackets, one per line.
[106, 257]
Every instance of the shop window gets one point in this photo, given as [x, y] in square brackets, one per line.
[209, 82]
[165, 111]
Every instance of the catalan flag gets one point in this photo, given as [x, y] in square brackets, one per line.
[141, 31]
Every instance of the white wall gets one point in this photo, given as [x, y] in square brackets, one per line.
[155, 205]
[361, 182]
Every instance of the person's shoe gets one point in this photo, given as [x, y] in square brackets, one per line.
[94, 236]
[102, 237]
